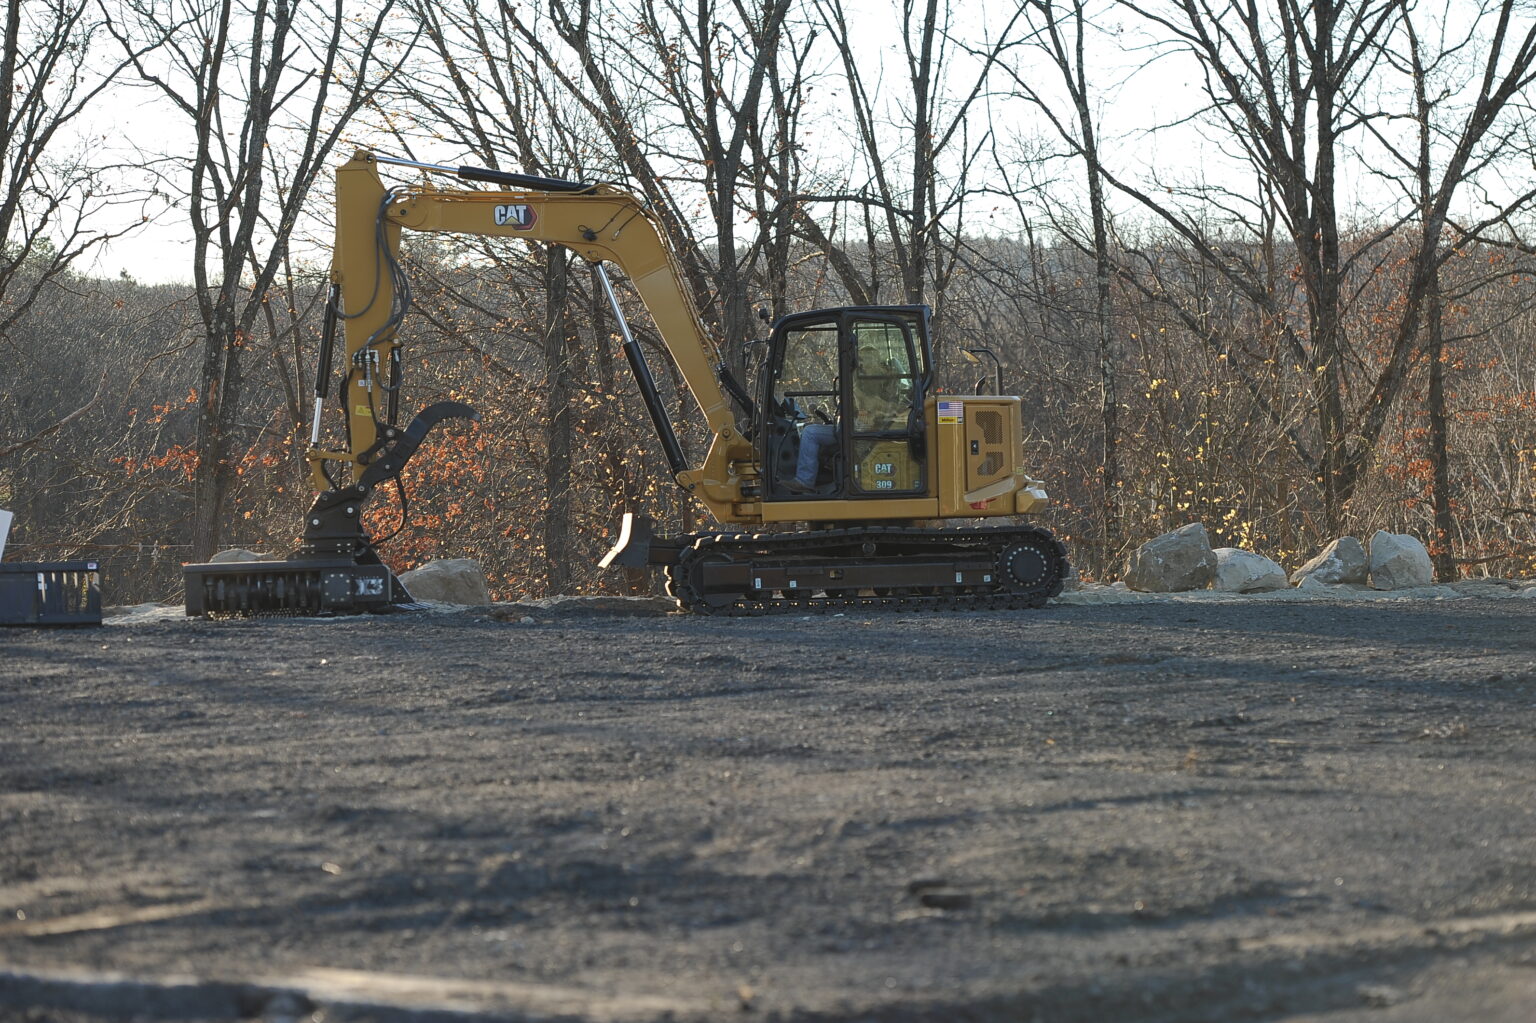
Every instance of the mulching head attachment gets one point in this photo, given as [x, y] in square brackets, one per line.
[294, 587]
[336, 569]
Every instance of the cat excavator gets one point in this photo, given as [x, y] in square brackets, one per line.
[842, 480]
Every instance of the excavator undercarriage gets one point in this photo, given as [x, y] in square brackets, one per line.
[865, 567]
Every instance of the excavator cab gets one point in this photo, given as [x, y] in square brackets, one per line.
[841, 411]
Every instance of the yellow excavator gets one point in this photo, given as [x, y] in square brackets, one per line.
[837, 483]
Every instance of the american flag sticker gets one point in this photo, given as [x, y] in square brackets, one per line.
[951, 412]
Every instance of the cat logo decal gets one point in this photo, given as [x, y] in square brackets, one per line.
[519, 216]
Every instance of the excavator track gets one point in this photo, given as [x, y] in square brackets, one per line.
[868, 567]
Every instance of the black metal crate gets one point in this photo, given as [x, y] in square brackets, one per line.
[50, 593]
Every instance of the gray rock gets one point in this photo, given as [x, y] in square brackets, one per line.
[239, 554]
[451, 580]
[1176, 561]
[1399, 561]
[1342, 561]
[1239, 571]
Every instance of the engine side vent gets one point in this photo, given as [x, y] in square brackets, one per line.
[991, 423]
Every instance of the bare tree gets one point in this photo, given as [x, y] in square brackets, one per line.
[1281, 82]
[925, 133]
[249, 79]
[777, 169]
[1458, 134]
[1060, 29]
[1289, 85]
[697, 75]
[717, 77]
[59, 199]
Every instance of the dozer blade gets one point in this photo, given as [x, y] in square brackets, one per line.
[638, 546]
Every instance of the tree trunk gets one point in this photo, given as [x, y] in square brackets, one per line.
[1439, 435]
[557, 390]
[1326, 292]
[212, 475]
[1109, 401]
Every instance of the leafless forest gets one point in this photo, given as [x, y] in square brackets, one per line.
[1300, 305]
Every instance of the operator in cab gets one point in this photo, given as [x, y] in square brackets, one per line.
[881, 402]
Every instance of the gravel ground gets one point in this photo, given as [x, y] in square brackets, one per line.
[1171, 810]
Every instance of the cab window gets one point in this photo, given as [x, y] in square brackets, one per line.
[807, 383]
[884, 384]
[883, 380]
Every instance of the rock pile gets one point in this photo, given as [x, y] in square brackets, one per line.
[1183, 560]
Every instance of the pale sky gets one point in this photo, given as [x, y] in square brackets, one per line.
[135, 120]
[1131, 101]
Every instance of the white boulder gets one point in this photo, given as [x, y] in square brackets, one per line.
[1240, 571]
[1176, 561]
[1399, 561]
[1342, 561]
[451, 580]
[238, 554]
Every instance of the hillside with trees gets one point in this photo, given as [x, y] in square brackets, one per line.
[1294, 299]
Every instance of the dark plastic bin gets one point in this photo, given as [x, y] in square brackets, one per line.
[50, 593]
